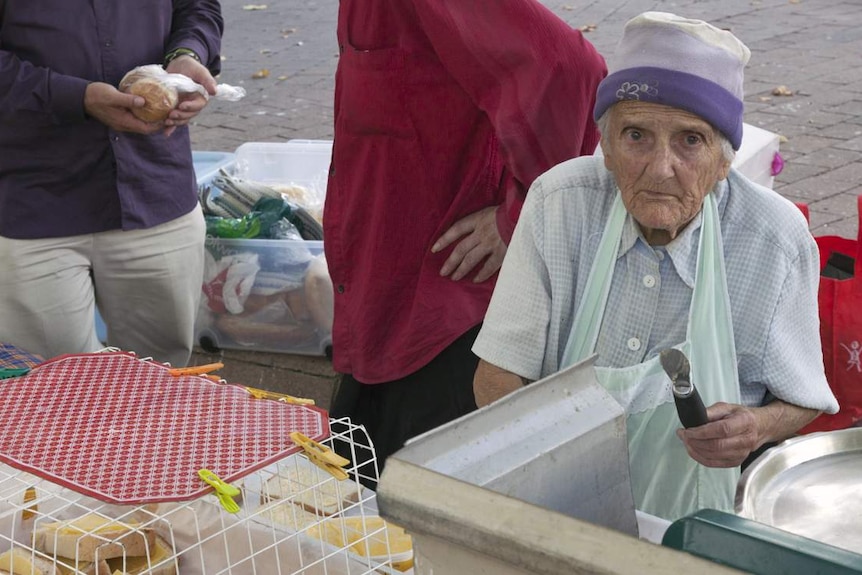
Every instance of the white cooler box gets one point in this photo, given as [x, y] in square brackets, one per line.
[757, 154]
[270, 295]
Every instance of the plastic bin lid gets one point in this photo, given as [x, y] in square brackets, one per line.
[207, 164]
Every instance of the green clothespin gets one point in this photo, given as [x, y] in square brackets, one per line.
[224, 491]
[7, 372]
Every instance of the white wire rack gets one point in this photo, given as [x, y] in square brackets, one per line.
[294, 518]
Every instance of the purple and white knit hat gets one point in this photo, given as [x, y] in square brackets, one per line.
[688, 64]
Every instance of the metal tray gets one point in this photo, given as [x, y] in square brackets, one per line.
[810, 486]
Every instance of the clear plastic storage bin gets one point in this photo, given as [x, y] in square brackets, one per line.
[271, 295]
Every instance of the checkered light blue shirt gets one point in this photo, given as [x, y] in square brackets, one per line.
[772, 269]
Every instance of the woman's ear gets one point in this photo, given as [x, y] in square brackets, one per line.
[724, 170]
[606, 154]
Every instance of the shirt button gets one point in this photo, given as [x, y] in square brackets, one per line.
[634, 343]
[108, 44]
[660, 254]
[340, 288]
[649, 281]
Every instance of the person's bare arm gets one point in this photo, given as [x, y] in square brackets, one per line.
[491, 383]
[734, 431]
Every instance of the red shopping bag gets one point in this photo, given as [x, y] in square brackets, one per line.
[840, 303]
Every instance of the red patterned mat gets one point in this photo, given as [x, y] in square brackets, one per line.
[124, 430]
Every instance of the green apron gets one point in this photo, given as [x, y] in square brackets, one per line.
[666, 481]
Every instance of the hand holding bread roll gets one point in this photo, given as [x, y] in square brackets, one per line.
[159, 96]
[162, 90]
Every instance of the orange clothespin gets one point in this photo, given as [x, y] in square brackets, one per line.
[195, 370]
[321, 456]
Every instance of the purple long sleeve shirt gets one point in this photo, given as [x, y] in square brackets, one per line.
[61, 172]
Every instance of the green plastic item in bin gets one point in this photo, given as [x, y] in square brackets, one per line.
[756, 547]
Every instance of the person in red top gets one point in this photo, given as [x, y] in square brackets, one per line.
[445, 112]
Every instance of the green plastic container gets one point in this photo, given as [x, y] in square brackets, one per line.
[756, 547]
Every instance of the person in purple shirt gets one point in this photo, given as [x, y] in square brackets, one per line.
[98, 208]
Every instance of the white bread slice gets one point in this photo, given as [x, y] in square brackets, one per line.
[90, 535]
[311, 487]
[160, 562]
[295, 517]
[19, 561]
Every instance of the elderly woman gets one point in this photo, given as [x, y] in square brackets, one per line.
[662, 244]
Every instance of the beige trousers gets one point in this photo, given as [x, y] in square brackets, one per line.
[146, 283]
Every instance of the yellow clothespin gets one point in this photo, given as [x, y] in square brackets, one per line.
[321, 456]
[224, 491]
[296, 400]
[195, 370]
[265, 394]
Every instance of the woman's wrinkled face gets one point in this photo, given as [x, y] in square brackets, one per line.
[665, 161]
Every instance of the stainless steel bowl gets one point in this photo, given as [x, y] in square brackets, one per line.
[809, 485]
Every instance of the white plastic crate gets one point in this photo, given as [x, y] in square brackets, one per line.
[277, 531]
[61, 514]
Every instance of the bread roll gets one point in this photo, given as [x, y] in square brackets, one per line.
[160, 99]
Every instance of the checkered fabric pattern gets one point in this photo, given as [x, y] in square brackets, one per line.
[13, 357]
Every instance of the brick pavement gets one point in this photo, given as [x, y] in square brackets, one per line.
[812, 47]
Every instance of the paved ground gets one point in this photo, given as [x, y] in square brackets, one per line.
[812, 48]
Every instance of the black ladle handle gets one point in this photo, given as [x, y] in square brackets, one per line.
[690, 408]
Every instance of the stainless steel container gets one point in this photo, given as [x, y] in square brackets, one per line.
[537, 482]
[809, 485]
